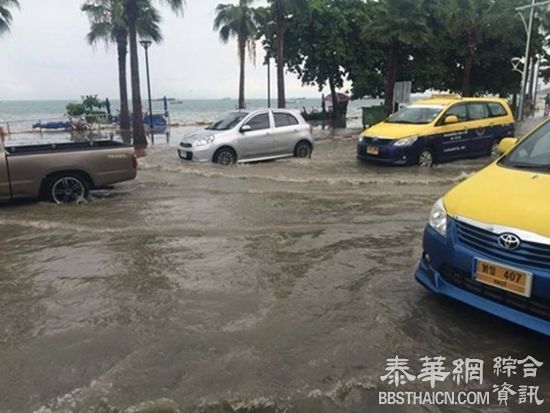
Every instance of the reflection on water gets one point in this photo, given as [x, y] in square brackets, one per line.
[277, 286]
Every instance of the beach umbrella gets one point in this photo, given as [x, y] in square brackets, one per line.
[165, 106]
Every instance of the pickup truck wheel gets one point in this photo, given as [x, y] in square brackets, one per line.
[303, 149]
[68, 189]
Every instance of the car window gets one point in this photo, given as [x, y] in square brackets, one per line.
[459, 111]
[532, 152]
[477, 111]
[284, 119]
[259, 122]
[496, 109]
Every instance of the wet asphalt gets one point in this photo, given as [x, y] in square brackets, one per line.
[273, 287]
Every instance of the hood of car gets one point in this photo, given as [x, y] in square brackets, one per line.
[385, 130]
[503, 196]
[203, 133]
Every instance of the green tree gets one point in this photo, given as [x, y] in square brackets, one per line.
[5, 14]
[396, 25]
[281, 14]
[238, 21]
[133, 10]
[108, 24]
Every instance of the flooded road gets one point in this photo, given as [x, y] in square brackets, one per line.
[274, 287]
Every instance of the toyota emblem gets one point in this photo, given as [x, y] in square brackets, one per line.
[509, 242]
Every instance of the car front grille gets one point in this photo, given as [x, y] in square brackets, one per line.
[528, 253]
[538, 307]
[377, 141]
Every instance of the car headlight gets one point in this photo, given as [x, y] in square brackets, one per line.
[360, 139]
[406, 141]
[205, 141]
[438, 217]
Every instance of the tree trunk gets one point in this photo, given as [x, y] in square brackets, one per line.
[391, 77]
[280, 59]
[468, 62]
[242, 56]
[122, 46]
[137, 115]
[334, 96]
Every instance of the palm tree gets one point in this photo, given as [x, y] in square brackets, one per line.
[238, 21]
[397, 24]
[467, 20]
[107, 24]
[132, 11]
[282, 12]
[5, 14]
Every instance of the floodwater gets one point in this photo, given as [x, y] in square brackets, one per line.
[273, 287]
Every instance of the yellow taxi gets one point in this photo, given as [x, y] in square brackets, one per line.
[439, 129]
[487, 242]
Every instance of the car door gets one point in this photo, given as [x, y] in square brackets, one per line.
[286, 132]
[452, 139]
[481, 130]
[257, 141]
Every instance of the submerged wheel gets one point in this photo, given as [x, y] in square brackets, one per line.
[494, 152]
[303, 149]
[68, 189]
[426, 158]
[225, 156]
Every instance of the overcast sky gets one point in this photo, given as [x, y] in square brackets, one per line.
[46, 56]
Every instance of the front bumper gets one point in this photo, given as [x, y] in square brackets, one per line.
[387, 153]
[447, 266]
[200, 154]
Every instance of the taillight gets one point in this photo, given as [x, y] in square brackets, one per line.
[134, 161]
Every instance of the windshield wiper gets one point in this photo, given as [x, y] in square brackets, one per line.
[537, 167]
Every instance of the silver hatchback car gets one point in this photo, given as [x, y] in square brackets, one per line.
[246, 136]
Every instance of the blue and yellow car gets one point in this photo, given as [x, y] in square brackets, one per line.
[487, 243]
[440, 129]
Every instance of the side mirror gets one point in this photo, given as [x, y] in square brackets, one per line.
[246, 128]
[451, 119]
[506, 145]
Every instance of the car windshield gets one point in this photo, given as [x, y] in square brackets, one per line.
[229, 121]
[416, 115]
[532, 153]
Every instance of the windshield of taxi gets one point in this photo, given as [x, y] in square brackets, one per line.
[533, 152]
[416, 115]
[229, 121]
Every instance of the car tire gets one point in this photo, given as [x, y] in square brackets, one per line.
[225, 156]
[68, 189]
[303, 149]
[493, 150]
[426, 158]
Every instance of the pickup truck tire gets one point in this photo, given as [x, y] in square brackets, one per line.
[67, 188]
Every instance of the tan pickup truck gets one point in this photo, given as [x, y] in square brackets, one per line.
[63, 172]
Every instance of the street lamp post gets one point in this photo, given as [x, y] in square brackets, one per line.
[146, 44]
[528, 29]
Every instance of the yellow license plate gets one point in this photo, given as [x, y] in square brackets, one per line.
[373, 150]
[505, 278]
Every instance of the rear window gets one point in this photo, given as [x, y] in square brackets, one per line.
[496, 109]
[477, 111]
[284, 119]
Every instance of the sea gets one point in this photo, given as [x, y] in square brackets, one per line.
[18, 115]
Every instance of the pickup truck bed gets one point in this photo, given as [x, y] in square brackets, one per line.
[53, 170]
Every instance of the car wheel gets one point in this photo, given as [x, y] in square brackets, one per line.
[303, 149]
[494, 151]
[68, 189]
[426, 158]
[225, 156]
